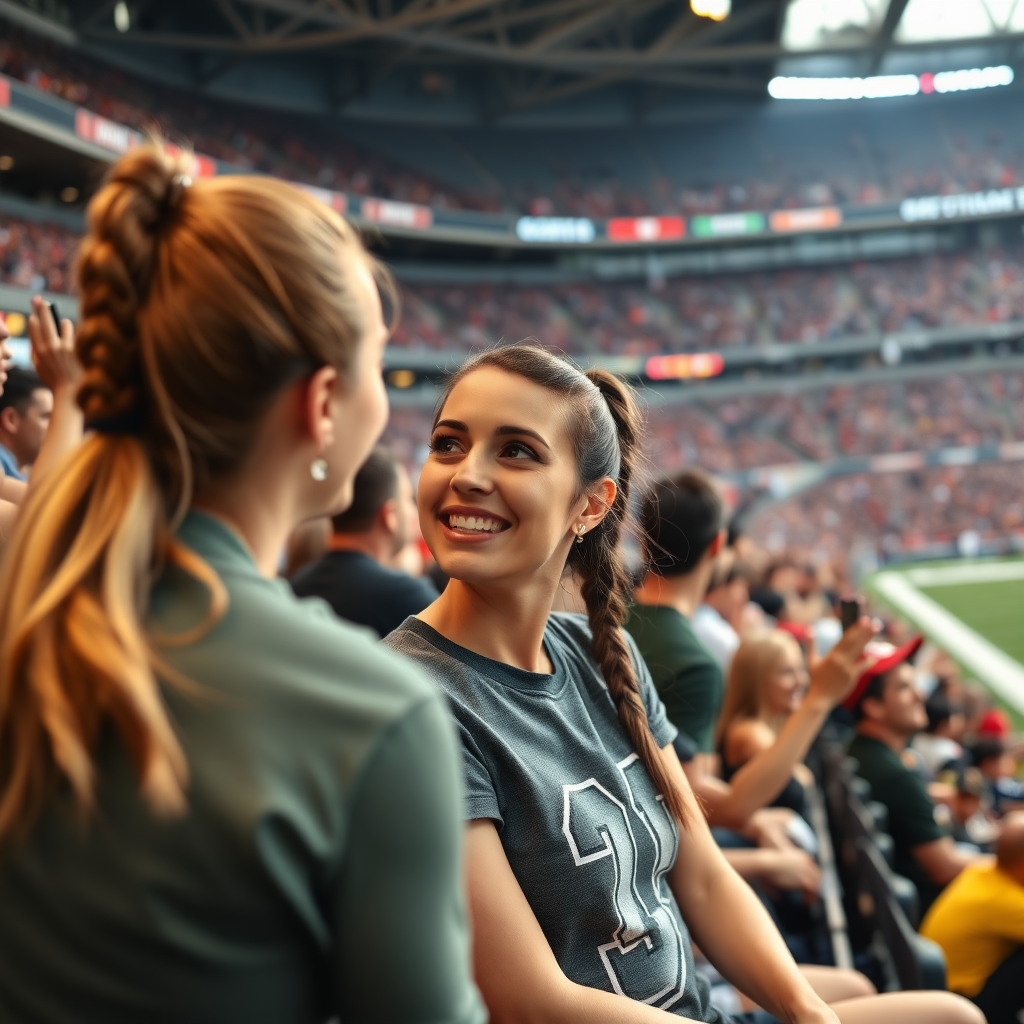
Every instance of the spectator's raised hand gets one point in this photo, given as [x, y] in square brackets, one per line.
[53, 353]
[833, 676]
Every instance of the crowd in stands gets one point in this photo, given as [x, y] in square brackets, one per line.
[242, 136]
[214, 787]
[695, 314]
[36, 256]
[280, 145]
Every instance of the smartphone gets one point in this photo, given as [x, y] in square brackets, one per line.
[55, 313]
[849, 612]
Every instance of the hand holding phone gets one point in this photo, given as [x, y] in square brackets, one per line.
[850, 611]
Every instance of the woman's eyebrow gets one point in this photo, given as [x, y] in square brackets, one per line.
[452, 425]
[501, 431]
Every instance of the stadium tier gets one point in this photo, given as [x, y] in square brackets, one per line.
[738, 178]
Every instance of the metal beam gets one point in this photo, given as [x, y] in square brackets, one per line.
[883, 37]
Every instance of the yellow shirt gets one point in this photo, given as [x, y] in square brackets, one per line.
[978, 921]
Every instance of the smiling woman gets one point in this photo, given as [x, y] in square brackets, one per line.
[583, 887]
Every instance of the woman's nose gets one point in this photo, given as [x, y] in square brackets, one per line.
[472, 475]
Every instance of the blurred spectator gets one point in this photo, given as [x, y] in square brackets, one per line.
[998, 767]
[766, 683]
[25, 407]
[719, 617]
[938, 743]
[979, 923]
[888, 711]
[682, 523]
[354, 576]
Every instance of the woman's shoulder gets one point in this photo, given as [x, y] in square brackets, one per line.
[268, 639]
[745, 738]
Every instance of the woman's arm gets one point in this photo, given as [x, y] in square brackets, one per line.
[514, 966]
[719, 908]
[56, 363]
[763, 777]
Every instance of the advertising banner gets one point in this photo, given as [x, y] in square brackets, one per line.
[396, 214]
[818, 218]
[645, 229]
[727, 225]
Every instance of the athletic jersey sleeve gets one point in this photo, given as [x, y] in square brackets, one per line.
[663, 731]
[400, 908]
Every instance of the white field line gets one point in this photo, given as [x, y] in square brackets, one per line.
[968, 572]
[1001, 673]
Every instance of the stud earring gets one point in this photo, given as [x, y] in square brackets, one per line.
[581, 529]
[318, 470]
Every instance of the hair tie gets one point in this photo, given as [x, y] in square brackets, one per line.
[172, 197]
[122, 424]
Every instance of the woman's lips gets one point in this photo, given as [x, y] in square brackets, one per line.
[472, 525]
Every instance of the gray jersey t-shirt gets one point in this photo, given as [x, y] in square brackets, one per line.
[586, 834]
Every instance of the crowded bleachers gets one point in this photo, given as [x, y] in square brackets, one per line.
[338, 688]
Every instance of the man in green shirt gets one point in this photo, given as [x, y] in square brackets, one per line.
[683, 522]
[889, 711]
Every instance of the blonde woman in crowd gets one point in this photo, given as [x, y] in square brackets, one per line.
[767, 681]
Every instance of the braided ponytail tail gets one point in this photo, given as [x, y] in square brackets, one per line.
[73, 655]
[605, 588]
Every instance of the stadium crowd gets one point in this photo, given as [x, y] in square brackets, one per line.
[280, 145]
[695, 314]
[218, 801]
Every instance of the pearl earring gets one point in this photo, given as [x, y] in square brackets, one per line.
[318, 470]
[581, 529]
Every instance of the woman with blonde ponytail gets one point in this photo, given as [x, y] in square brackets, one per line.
[589, 861]
[206, 786]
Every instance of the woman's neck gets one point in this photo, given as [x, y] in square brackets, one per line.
[506, 625]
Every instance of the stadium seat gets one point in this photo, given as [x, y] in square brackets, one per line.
[918, 962]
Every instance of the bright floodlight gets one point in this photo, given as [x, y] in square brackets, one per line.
[122, 19]
[716, 10]
[875, 87]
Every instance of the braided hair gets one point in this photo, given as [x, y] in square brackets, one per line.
[199, 303]
[605, 428]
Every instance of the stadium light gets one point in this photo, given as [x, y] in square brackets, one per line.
[716, 10]
[883, 86]
[122, 19]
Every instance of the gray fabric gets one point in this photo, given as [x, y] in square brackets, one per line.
[585, 833]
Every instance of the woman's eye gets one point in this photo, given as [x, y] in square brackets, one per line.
[444, 445]
[515, 450]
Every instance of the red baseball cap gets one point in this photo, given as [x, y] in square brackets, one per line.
[879, 658]
[994, 723]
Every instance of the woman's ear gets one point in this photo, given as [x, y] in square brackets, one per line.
[318, 413]
[600, 498]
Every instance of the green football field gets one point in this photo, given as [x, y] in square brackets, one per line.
[974, 609]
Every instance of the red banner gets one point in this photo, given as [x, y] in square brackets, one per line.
[396, 214]
[5, 92]
[645, 229]
[118, 138]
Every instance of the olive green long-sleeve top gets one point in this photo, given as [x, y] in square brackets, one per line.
[317, 870]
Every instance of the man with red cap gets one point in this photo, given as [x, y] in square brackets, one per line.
[888, 711]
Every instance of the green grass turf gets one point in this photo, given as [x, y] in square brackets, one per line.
[995, 610]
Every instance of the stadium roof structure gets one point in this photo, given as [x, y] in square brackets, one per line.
[507, 61]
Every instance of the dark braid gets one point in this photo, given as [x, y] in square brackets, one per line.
[605, 588]
[605, 429]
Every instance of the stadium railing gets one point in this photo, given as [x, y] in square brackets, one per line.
[881, 906]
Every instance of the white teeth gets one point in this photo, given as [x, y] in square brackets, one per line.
[478, 523]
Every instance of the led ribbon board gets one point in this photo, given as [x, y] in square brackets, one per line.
[883, 86]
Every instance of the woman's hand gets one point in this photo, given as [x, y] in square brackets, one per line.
[53, 353]
[833, 676]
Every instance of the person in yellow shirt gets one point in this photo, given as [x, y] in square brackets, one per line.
[979, 923]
